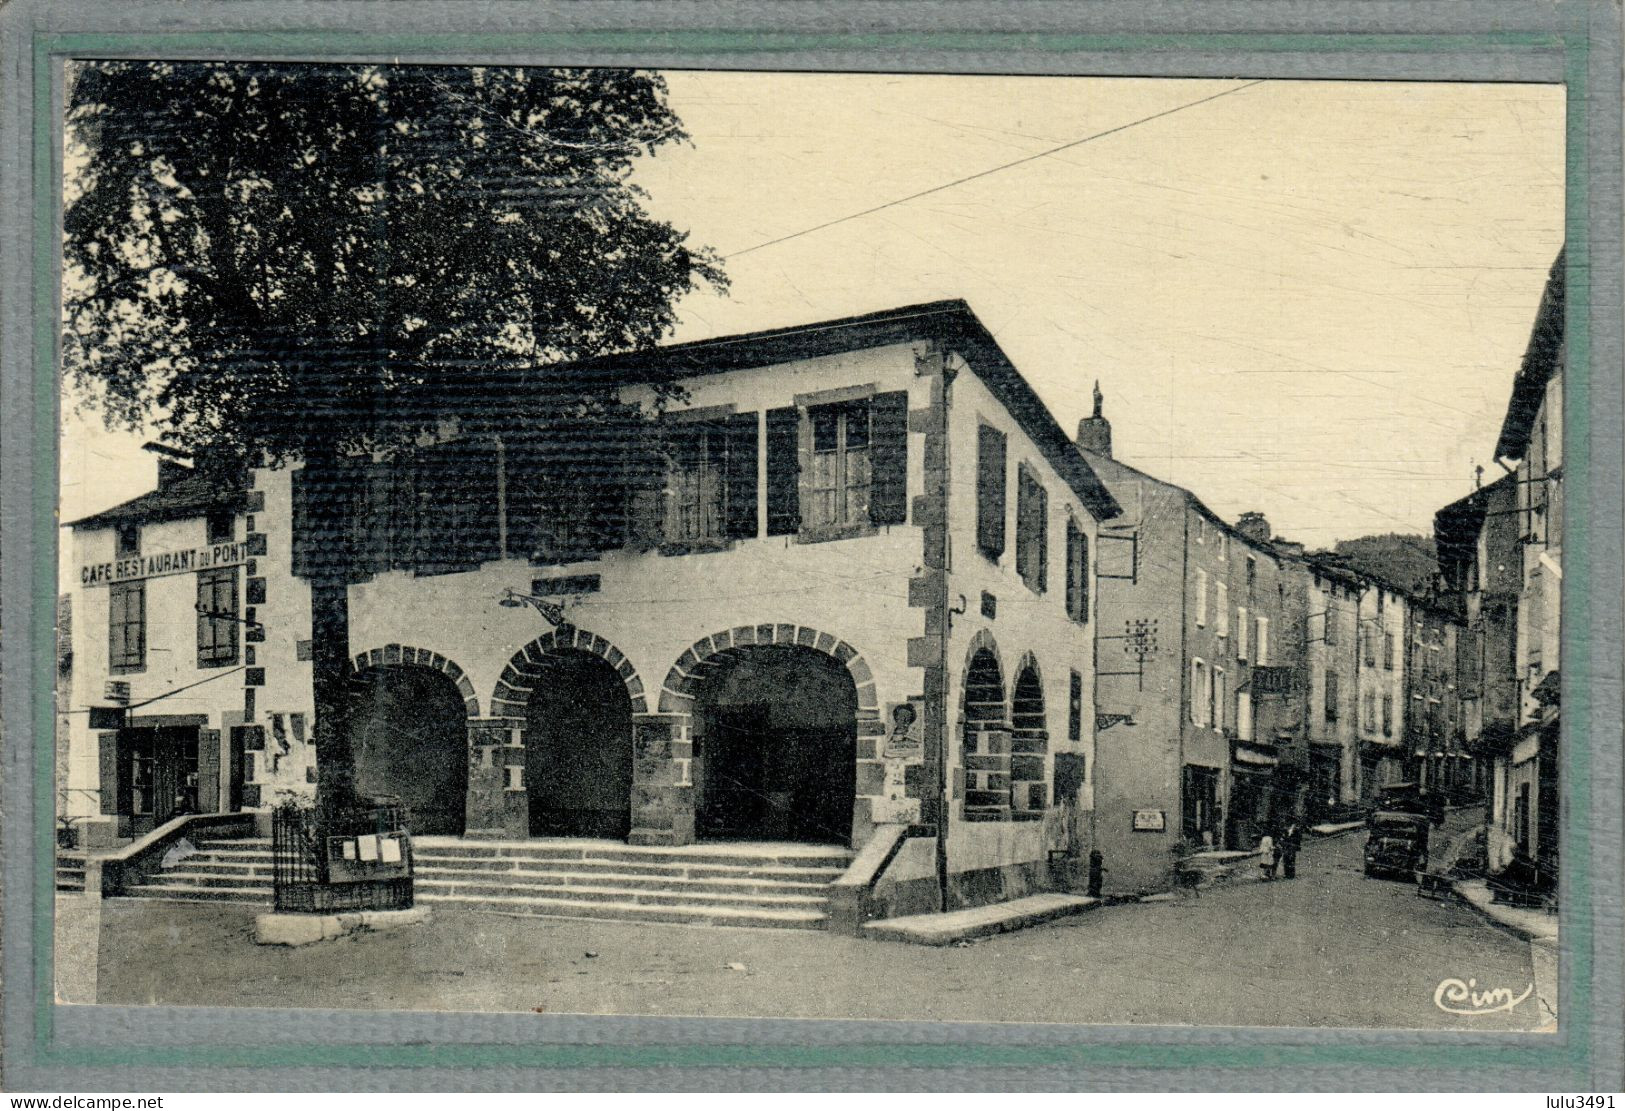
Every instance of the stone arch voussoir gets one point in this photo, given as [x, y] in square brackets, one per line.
[512, 691]
[705, 655]
[400, 655]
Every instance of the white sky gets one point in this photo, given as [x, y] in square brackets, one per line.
[1307, 298]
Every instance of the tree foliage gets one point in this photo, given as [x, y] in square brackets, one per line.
[281, 256]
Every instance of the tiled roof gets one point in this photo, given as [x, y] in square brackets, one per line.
[192, 496]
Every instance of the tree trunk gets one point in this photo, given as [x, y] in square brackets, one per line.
[330, 634]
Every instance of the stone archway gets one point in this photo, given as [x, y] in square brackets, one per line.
[409, 724]
[663, 793]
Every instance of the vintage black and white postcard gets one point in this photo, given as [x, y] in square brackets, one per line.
[582, 537]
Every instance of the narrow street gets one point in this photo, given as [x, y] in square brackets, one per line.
[1330, 947]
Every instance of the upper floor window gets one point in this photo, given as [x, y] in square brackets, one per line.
[1221, 607]
[1252, 575]
[1331, 695]
[1387, 715]
[1201, 597]
[838, 488]
[1261, 641]
[990, 490]
[701, 497]
[1074, 712]
[220, 526]
[127, 626]
[1077, 572]
[1201, 693]
[1331, 626]
[126, 540]
[1388, 651]
[1219, 698]
[1243, 629]
[1200, 532]
[217, 617]
[1032, 530]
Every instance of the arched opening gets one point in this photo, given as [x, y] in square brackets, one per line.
[985, 753]
[578, 748]
[984, 689]
[775, 746]
[1029, 744]
[409, 728]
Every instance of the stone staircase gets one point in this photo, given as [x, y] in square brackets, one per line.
[746, 884]
[70, 871]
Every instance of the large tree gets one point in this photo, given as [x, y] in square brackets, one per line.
[292, 261]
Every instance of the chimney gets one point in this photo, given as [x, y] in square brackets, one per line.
[1095, 432]
[171, 472]
[1254, 527]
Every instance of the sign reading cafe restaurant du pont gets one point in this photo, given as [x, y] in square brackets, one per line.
[164, 563]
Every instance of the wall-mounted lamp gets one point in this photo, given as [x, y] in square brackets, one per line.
[552, 612]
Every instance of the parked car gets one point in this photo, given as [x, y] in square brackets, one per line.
[1396, 842]
[1412, 798]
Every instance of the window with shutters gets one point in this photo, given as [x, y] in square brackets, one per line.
[1243, 628]
[1387, 715]
[1261, 641]
[1331, 625]
[1388, 651]
[1244, 715]
[1201, 693]
[838, 487]
[697, 488]
[1074, 713]
[990, 491]
[1032, 530]
[1219, 697]
[783, 472]
[1201, 598]
[126, 540]
[1077, 572]
[217, 617]
[127, 626]
[1331, 695]
[1221, 608]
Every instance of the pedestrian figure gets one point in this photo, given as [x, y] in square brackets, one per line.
[1271, 854]
[1291, 842]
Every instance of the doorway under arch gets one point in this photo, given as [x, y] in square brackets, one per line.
[578, 747]
[409, 731]
[775, 746]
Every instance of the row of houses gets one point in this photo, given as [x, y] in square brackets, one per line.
[855, 585]
[1501, 561]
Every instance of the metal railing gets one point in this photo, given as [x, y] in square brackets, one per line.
[359, 860]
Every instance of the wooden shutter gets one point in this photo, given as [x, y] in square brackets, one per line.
[299, 557]
[208, 771]
[783, 471]
[990, 491]
[741, 430]
[888, 454]
[107, 770]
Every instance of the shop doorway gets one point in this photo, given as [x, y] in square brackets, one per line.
[578, 748]
[158, 776]
[410, 735]
[775, 747]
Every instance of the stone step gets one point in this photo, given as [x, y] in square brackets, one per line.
[225, 867]
[189, 893]
[640, 897]
[570, 877]
[778, 858]
[184, 875]
[634, 912]
[676, 870]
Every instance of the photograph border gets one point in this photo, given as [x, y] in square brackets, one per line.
[1575, 1055]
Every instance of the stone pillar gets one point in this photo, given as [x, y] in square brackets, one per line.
[662, 783]
[986, 759]
[497, 805]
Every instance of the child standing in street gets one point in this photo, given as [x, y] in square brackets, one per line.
[1266, 847]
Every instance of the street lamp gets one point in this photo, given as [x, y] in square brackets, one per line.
[552, 612]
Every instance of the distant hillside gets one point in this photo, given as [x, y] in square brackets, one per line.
[1407, 561]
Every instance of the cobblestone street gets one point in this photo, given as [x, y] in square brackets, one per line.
[1328, 948]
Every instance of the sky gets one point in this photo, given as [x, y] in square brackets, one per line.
[1303, 298]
